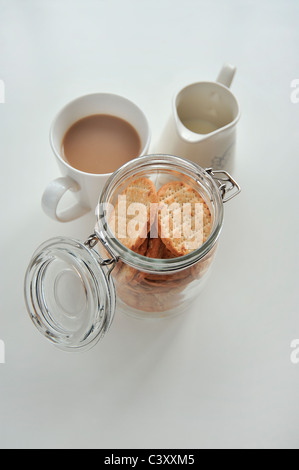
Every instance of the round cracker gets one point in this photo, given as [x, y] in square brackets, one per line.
[182, 232]
[132, 230]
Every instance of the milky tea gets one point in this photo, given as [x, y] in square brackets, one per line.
[100, 144]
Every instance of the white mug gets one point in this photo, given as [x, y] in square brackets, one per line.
[87, 187]
[202, 125]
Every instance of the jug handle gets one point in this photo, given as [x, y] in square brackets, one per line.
[226, 75]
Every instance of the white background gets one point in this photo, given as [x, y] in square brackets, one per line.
[220, 376]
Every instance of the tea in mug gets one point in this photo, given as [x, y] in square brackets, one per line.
[100, 144]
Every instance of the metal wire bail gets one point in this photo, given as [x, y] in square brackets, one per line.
[225, 183]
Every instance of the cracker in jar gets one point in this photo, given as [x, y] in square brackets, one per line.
[202, 266]
[150, 301]
[133, 214]
[155, 248]
[184, 219]
[125, 273]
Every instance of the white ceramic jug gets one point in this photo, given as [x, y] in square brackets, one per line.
[202, 127]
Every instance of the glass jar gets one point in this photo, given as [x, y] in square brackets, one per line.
[72, 288]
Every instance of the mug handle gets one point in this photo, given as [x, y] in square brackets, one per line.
[226, 75]
[54, 193]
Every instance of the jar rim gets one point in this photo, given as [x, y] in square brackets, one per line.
[154, 265]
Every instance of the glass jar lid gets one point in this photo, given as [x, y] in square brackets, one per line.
[69, 293]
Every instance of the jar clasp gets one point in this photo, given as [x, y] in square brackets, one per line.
[225, 183]
[93, 240]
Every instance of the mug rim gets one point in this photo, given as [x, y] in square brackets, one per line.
[82, 97]
[217, 84]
